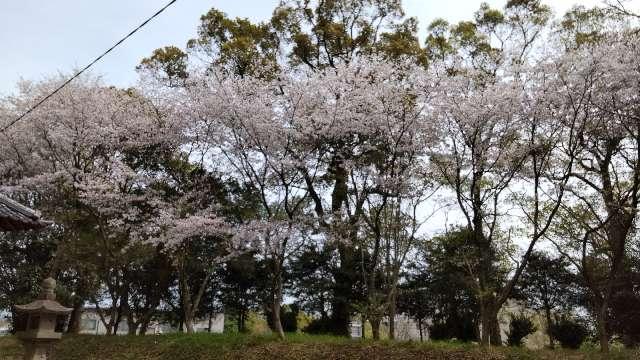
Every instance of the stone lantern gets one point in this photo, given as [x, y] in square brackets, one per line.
[40, 323]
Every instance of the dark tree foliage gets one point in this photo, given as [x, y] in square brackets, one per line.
[442, 281]
[625, 303]
[169, 61]
[195, 257]
[319, 326]
[548, 285]
[625, 315]
[240, 287]
[327, 33]
[149, 279]
[288, 317]
[242, 47]
[569, 333]
[414, 301]
[312, 280]
[25, 259]
[520, 327]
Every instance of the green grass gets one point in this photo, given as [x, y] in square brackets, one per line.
[297, 346]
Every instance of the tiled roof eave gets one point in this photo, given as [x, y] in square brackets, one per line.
[16, 217]
[43, 306]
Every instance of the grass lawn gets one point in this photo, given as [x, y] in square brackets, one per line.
[296, 347]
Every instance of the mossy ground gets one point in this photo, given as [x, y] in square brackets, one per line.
[296, 347]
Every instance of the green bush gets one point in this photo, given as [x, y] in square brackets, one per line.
[288, 318]
[519, 327]
[460, 329]
[569, 333]
[319, 326]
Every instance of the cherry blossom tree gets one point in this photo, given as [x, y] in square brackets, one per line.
[601, 87]
[84, 153]
[478, 156]
[276, 241]
[359, 124]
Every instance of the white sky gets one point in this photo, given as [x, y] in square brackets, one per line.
[41, 37]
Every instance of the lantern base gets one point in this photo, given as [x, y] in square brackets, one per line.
[38, 349]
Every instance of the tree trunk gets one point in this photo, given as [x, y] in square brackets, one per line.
[363, 327]
[114, 321]
[547, 312]
[241, 322]
[603, 334]
[188, 324]
[392, 316]
[420, 329]
[490, 330]
[133, 330]
[375, 328]
[144, 327]
[276, 302]
[187, 308]
[275, 317]
[108, 325]
[132, 323]
[190, 303]
[342, 293]
[76, 316]
[344, 275]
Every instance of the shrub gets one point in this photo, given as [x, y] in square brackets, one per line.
[288, 318]
[319, 326]
[439, 331]
[519, 328]
[569, 333]
[460, 329]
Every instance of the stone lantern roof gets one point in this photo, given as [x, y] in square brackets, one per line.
[46, 303]
[16, 217]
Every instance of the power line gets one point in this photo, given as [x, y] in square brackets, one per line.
[87, 67]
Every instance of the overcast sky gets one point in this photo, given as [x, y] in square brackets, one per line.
[41, 37]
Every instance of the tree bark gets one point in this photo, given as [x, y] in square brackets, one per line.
[187, 305]
[76, 317]
[603, 334]
[344, 276]
[342, 292]
[489, 323]
[144, 327]
[547, 312]
[191, 303]
[375, 328]
[363, 327]
[392, 316]
[277, 324]
[277, 303]
[241, 321]
[132, 324]
[188, 324]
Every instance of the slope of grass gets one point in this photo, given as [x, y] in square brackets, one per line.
[208, 346]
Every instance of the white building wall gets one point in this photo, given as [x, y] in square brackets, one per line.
[90, 324]
[406, 328]
[4, 327]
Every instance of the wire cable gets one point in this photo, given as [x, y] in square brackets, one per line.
[87, 67]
